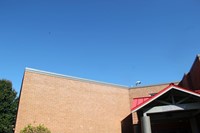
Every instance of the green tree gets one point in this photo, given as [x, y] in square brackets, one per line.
[8, 106]
[35, 129]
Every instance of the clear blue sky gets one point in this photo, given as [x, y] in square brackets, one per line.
[115, 41]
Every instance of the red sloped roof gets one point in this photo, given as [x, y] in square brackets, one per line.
[197, 91]
[138, 101]
[142, 101]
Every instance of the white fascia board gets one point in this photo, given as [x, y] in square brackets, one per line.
[73, 78]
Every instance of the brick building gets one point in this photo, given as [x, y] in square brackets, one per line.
[73, 105]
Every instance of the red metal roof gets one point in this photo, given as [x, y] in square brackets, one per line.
[138, 101]
[142, 101]
[197, 91]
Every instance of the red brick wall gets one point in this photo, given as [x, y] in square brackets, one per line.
[68, 105]
[195, 75]
[65, 105]
[191, 80]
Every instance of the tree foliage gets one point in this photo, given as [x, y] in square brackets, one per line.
[8, 106]
[35, 129]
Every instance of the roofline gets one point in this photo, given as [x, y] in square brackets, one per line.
[73, 78]
[167, 83]
[168, 88]
[198, 57]
[195, 60]
[187, 73]
[151, 99]
[142, 97]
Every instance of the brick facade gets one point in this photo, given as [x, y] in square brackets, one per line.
[66, 105]
[73, 105]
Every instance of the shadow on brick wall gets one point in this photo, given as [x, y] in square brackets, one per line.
[126, 124]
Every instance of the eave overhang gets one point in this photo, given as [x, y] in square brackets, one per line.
[162, 92]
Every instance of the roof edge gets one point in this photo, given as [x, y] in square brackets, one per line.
[198, 57]
[195, 60]
[151, 85]
[73, 77]
[166, 89]
[152, 98]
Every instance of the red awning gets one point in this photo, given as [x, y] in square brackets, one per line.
[138, 103]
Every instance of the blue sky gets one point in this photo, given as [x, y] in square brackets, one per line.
[115, 41]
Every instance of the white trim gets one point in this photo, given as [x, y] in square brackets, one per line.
[73, 78]
[192, 93]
